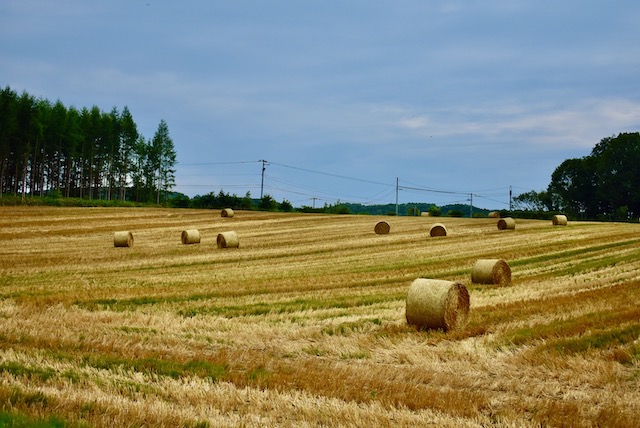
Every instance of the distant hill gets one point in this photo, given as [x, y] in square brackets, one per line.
[414, 208]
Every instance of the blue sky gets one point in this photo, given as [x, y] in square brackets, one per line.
[344, 97]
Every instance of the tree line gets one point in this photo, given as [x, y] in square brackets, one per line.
[604, 185]
[48, 148]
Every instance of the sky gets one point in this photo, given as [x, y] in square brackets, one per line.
[363, 101]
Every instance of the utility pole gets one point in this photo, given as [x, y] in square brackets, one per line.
[510, 194]
[264, 166]
[470, 205]
[314, 202]
[396, 196]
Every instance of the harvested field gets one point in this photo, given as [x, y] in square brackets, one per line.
[304, 324]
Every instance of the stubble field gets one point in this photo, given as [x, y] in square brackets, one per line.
[304, 323]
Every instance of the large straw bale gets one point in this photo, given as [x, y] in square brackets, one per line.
[123, 239]
[506, 223]
[191, 236]
[382, 228]
[438, 229]
[559, 220]
[491, 271]
[228, 240]
[227, 212]
[437, 304]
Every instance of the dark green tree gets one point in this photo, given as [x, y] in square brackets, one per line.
[267, 203]
[604, 184]
[163, 159]
[128, 140]
[533, 201]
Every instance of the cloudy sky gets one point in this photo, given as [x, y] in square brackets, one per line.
[344, 98]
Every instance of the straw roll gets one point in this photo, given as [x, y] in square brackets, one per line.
[491, 271]
[382, 228]
[191, 236]
[227, 212]
[228, 240]
[506, 223]
[123, 239]
[438, 229]
[493, 214]
[559, 220]
[437, 304]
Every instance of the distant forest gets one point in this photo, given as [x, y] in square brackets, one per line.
[50, 149]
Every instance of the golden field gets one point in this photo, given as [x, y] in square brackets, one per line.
[304, 324]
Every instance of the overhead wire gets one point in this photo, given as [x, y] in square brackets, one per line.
[294, 188]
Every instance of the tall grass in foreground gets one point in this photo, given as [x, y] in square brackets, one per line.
[304, 323]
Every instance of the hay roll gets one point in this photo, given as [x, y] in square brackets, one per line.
[559, 220]
[382, 228]
[227, 212]
[123, 239]
[506, 223]
[228, 240]
[493, 214]
[434, 304]
[190, 236]
[438, 229]
[491, 271]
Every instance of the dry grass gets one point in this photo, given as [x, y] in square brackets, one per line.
[304, 324]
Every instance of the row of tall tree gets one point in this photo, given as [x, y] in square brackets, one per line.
[48, 148]
[604, 185]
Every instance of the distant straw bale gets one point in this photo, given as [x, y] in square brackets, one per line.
[437, 304]
[506, 223]
[424, 214]
[228, 240]
[491, 271]
[559, 220]
[382, 228]
[227, 212]
[123, 239]
[493, 214]
[190, 236]
[438, 229]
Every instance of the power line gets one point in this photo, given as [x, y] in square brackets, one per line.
[330, 174]
[217, 163]
[378, 196]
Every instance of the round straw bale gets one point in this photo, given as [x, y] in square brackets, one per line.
[493, 214]
[424, 214]
[438, 229]
[382, 228]
[228, 240]
[123, 239]
[227, 212]
[191, 236]
[491, 271]
[435, 303]
[506, 223]
[559, 220]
